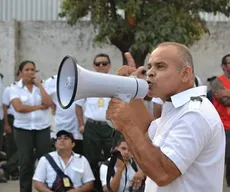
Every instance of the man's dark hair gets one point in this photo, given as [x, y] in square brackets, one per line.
[224, 59]
[101, 55]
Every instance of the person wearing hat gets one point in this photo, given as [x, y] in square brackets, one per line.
[64, 118]
[221, 100]
[75, 166]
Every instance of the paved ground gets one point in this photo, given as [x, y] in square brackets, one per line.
[12, 186]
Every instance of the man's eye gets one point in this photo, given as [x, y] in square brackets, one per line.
[149, 67]
[160, 66]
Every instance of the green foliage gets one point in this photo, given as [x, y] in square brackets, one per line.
[146, 22]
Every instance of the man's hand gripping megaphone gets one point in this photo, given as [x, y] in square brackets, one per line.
[119, 111]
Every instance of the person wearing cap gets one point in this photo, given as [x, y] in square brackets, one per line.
[75, 166]
[64, 118]
[97, 134]
[220, 87]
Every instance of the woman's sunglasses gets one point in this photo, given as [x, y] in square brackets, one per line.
[104, 63]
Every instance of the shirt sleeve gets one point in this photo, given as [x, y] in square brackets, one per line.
[103, 173]
[88, 174]
[80, 102]
[50, 86]
[40, 172]
[186, 140]
[152, 129]
[6, 97]
[14, 93]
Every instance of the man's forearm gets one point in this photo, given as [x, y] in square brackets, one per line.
[150, 158]
[79, 114]
[41, 187]
[142, 116]
[6, 121]
[86, 187]
[225, 101]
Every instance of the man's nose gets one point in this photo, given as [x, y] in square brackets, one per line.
[151, 73]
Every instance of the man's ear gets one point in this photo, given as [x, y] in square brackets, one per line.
[73, 144]
[186, 74]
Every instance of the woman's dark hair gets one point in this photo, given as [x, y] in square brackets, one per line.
[17, 74]
[119, 139]
[101, 55]
[23, 63]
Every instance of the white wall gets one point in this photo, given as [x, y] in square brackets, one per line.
[47, 42]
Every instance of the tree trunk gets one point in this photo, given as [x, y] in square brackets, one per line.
[124, 46]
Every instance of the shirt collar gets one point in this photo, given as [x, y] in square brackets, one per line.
[20, 83]
[183, 97]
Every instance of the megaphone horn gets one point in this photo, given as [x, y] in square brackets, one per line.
[75, 82]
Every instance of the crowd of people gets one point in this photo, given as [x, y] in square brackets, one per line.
[175, 139]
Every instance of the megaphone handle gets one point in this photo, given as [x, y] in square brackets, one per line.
[123, 97]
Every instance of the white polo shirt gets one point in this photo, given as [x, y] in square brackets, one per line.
[6, 100]
[78, 169]
[191, 134]
[130, 176]
[64, 118]
[35, 120]
[94, 108]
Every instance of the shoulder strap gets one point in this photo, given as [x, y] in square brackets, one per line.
[115, 154]
[53, 164]
[133, 165]
[111, 171]
[106, 162]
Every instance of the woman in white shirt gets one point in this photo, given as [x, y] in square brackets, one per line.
[31, 124]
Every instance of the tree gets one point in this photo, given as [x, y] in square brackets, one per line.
[145, 23]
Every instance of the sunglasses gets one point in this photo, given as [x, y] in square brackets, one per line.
[104, 63]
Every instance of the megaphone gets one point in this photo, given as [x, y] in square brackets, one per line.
[74, 83]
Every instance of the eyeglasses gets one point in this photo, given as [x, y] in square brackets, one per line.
[104, 63]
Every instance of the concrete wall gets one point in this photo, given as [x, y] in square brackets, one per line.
[208, 52]
[4, 49]
[47, 43]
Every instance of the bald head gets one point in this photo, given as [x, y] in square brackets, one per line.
[183, 51]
